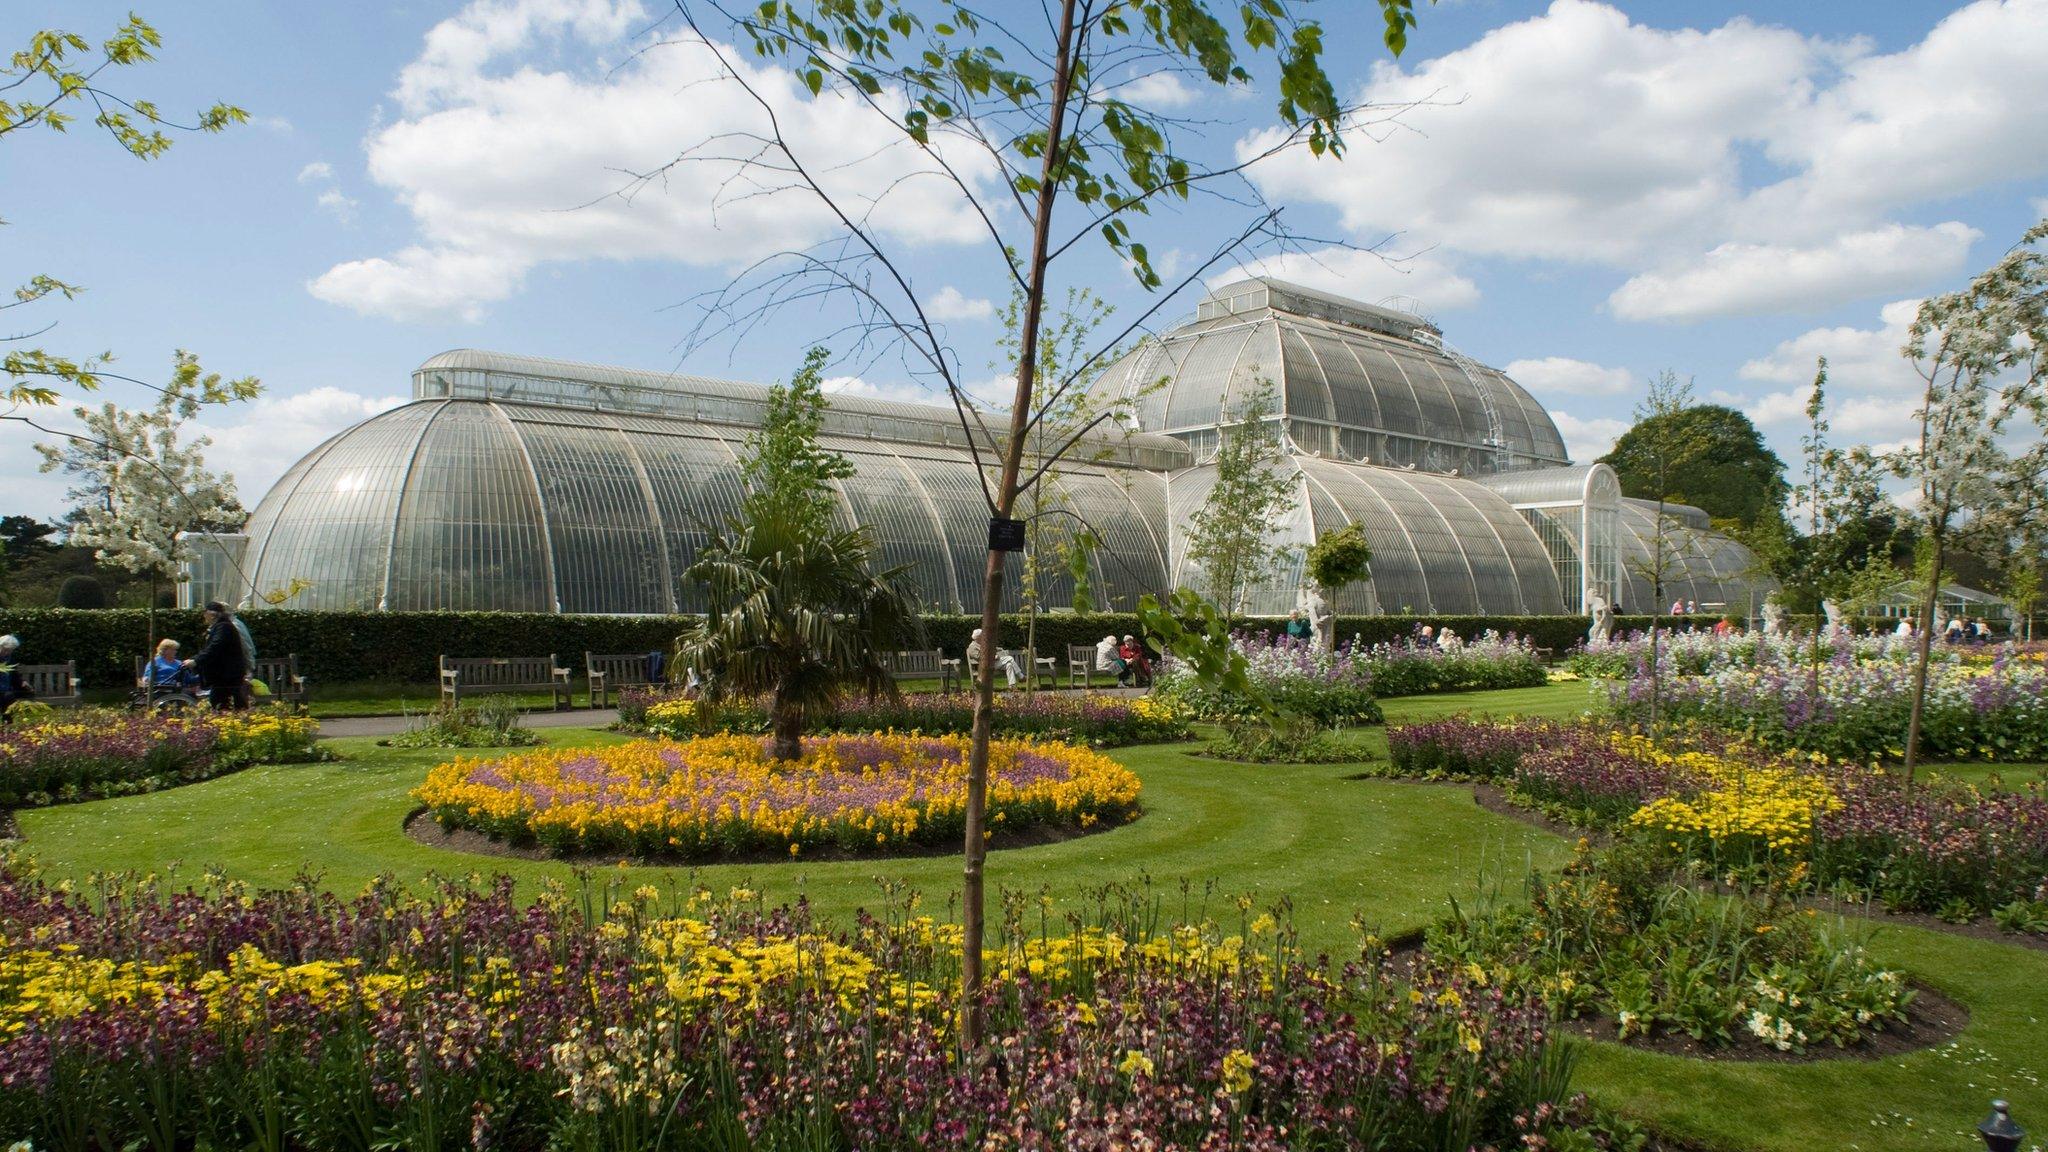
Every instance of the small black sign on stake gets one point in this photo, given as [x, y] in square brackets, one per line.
[1005, 535]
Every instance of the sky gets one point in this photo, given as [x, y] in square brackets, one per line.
[1583, 194]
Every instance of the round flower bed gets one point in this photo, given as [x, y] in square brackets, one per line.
[90, 754]
[722, 796]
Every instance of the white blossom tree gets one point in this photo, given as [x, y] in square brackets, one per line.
[1982, 355]
[149, 482]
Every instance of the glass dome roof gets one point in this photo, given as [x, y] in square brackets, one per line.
[485, 504]
[1351, 380]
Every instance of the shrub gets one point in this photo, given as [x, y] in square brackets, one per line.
[81, 592]
[723, 795]
[335, 647]
[485, 722]
[1614, 938]
[467, 1018]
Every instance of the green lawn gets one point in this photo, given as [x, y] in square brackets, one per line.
[1391, 852]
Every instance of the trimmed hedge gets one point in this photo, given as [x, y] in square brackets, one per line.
[342, 646]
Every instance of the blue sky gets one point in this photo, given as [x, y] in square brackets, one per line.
[1589, 194]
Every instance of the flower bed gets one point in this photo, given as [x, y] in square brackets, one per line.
[90, 754]
[462, 1019]
[1860, 709]
[1343, 686]
[1611, 938]
[1700, 652]
[1939, 846]
[723, 796]
[1092, 718]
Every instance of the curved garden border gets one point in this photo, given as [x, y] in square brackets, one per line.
[421, 827]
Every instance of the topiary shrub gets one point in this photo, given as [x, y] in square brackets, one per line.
[81, 592]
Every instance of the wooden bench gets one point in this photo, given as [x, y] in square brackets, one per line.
[609, 672]
[1081, 666]
[1028, 662]
[501, 675]
[280, 674]
[924, 664]
[53, 684]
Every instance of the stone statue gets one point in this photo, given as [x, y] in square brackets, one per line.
[1774, 618]
[1603, 621]
[1835, 620]
[1321, 619]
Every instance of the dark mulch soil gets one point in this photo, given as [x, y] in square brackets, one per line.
[9, 830]
[422, 827]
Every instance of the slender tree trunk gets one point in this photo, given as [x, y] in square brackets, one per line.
[1925, 649]
[976, 850]
[788, 726]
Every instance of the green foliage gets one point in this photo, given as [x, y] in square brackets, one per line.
[1109, 156]
[788, 474]
[1189, 628]
[83, 592]
[1617, 937]
[404, 647]
[486, 722]
[1718, 462]
[1339, 558]
[47, 84]
[794, 608]
[1230, 537]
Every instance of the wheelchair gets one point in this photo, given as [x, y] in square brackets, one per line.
[167, 698]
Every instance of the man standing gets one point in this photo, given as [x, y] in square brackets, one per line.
[223, 662]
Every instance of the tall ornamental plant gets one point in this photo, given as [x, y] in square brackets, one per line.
[1024, 118]
[1982, 357]
[794, 607]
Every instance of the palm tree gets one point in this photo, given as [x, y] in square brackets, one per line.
[795, 613]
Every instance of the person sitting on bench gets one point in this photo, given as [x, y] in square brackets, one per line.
[1004, 660]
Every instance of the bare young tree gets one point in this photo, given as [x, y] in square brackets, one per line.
[1982, 356]
[1026, 117]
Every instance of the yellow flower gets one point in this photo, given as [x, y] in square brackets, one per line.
[1237, 1072]
[1135, 1064]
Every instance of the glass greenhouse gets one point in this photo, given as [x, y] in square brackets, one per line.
[517, 483]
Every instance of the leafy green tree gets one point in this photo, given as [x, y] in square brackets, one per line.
[787, 473]
[48, 84]
[1231, 536]
[1338, 559]
[1723, 466]
[1025, 115]
[795, 609]
[1982, 357]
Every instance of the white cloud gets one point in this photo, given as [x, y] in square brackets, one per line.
[1159, 91]
[1582, 136]
[317, 170]
[1574, 135]
[1859, 359]
[1564, 376]
[1588, 439]
[1738, 279]
[856, 386]
[342, 206]
[1421, 283]
[1872, 390]
[949, 304]
[258, 441]
[421, 282]
[515, 137]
